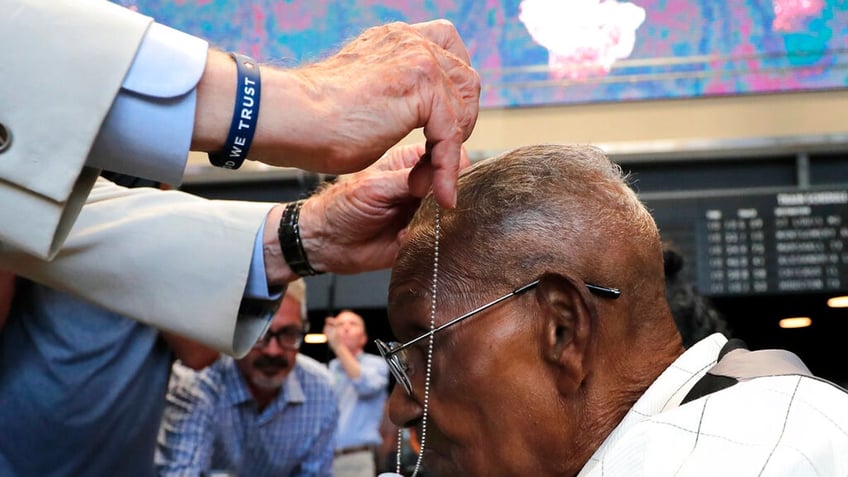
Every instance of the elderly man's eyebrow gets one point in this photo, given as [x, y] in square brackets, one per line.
[407, 292]
[406, 303]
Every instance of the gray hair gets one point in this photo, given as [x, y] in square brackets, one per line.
[536, 209]
[297, 290]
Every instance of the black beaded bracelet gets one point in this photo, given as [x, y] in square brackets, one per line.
[290, 242]
[245, 115]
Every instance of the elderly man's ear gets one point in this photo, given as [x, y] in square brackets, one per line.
[568, 315]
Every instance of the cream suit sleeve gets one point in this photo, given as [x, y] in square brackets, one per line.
[61, 66]
[120, 255]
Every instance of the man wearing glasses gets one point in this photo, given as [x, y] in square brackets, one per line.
[270, 413]
[535, 339]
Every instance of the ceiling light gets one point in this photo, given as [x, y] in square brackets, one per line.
[796, 322]
[315, 338]
[838, 302]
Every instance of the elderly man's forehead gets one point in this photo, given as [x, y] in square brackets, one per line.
[408, 305]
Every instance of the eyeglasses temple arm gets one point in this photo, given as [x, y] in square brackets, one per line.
[607, 292]
[492, 303]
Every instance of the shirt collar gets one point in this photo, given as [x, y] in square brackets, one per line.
[666, 392]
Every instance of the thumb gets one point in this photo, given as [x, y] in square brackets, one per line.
[389, 188]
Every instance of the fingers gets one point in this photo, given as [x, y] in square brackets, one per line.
[457, 87]
[444, 34]
[445, 134]
[400, 157]
[441, 176]
[425, 175]
[453, 111]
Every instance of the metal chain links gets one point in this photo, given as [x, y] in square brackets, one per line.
[437, 233]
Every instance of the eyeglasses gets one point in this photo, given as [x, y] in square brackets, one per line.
[290, 337]
[395, 354]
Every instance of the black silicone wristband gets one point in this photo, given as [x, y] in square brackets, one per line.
[290, 242]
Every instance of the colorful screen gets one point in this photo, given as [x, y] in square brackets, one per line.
[544, 52]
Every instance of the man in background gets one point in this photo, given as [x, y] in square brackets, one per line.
[361, 382]
[270, 413]
[694, 314]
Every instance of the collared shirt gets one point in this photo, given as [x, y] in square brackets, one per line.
[212, 423]
[768, 426]
[361, 401]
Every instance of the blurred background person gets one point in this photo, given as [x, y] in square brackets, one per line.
[270, 413]
[82, 389]
[694, 314]
[361, 381]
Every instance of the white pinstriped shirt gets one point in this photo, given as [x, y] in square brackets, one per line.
[768, 426]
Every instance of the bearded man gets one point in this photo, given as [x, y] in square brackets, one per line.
[271, 413]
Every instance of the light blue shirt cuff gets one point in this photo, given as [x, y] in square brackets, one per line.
[147, 133]
[257, 282]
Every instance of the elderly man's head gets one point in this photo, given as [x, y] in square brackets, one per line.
[532, 385]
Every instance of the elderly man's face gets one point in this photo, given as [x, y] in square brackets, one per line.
[489, 404]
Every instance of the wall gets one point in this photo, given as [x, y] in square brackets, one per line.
[676, 124]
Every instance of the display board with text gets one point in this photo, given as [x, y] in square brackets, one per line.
[766, 243]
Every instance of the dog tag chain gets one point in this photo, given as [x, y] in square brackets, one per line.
[433, 289]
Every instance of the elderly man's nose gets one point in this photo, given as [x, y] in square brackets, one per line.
[404, 411]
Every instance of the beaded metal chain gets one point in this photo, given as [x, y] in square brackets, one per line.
[437, 232]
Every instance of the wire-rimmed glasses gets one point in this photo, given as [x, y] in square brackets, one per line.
[395, 353]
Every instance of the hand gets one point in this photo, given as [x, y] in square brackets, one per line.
[355, 225]
[352, 107]
[331, 331]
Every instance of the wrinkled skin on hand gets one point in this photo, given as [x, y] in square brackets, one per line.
[357, 224]
[389, 81]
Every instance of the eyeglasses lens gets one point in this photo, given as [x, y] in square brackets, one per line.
[397, 363]
[289, 337]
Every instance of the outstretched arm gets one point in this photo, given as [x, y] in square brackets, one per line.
[343, 113]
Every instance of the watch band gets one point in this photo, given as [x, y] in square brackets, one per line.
[290, 242]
